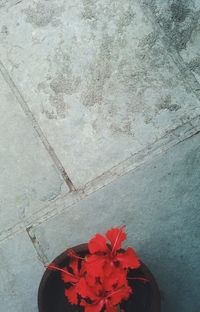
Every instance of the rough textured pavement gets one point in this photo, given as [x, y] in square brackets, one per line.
[100, 126]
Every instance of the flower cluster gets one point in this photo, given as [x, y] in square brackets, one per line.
[99, 281]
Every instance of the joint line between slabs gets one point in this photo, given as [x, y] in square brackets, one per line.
[40, 254]
[36, 126]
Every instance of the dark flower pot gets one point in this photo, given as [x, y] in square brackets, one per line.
[145, 297]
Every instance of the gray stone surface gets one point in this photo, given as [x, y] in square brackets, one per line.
[178, 18]
[20, 274]
[5, 4]
[159, 202]
[28, 179]
[181, 22]
[96, 76]
[104, 85]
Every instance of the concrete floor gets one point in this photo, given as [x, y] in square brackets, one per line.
[100, 126]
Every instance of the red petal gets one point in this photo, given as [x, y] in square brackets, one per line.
[117, 278]
[85, 291]
[109, 266]
[128, 259]
[82, 288]
[98, 244]
[116, 236]
[68, 277]
[72, 295]
[94, 284]
[91, 280]
[120, 294]
[92, 307]
[109, 281]
[110, 307]
[95, 264]
[120, 276]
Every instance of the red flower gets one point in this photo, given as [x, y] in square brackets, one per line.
[107, 299]
[99, 281]
[106, 255]
[75, 278]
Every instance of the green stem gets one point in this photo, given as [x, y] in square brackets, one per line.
[118, 308]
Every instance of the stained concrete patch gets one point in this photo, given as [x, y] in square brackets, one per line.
[29, 179]
[191, 54]
[100, 82]
[178, 18]
[181, 23]
[3, 3]
[41, 13]
[20, 274]
[159, 203]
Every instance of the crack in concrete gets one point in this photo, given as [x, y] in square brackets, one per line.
[40, 253]
[189, 137]
[37, 128]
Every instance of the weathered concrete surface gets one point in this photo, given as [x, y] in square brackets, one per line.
[178, 18]
[28, 179]
[159, 202]
[20, 275]
[180, 21]
[96, 76]
[111, 85]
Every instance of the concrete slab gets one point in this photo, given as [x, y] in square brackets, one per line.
[20, 274]
[6, 3]
[159, 202]
[181, 23]
[97, 78]
[178, 18]
[28, 179]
